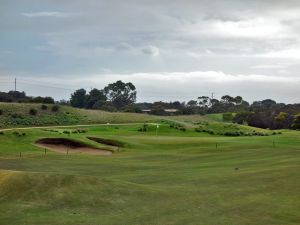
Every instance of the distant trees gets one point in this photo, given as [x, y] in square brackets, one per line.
[120, 96]
[268, 119]
[296, 122]
[17, 96]
[45, 100]
[115, 96]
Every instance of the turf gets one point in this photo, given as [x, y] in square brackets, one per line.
[163, 176]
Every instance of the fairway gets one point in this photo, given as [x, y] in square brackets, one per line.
[164, 176]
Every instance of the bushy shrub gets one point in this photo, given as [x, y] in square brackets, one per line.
[19, 134]
[66, 132]
[210, 132]
[16, 115]
[182, 129]
[1, 133]
[55, 108]
[50, 130]
[178, 126]
[44, 107]
[198, 129]
[33, 112]
[144, 128]
[81, 131]
[228, 117]
[1, 112]
[232, 133]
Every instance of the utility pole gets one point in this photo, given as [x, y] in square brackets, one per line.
[212, 95]
[15, 84]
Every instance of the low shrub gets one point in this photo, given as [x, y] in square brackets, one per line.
[228, 117]
[50, 130]
[18, 133]
[177, 126]
[182, 129]
[210, 132]
[198, 129]
[55, 108]
[66, 132]
[44, 107]
[1, 112]
[81, 131]
[16, 115]
[144, 128]
[33, 112]
[1, 133]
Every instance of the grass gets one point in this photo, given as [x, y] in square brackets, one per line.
[159, 177]
[18, 115]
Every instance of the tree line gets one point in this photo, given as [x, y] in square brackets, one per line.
[21, 97]
[120, 96]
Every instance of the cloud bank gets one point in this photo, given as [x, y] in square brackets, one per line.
[247, 41]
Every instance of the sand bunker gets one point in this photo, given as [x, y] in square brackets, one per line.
[67, 146]
[107, 141]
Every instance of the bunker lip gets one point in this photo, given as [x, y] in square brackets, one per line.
[106, 141]
[64, 145]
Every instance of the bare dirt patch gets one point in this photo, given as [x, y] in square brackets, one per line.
[67, 146]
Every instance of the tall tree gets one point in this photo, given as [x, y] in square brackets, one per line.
[204, 101]
[227, 99]
[78, 98]
[95, 96]
[120, 94]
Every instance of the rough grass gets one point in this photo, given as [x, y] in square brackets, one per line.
[214, 124]
[18, 115]
[169, 177]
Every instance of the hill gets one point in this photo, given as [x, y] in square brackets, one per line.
[27, 114]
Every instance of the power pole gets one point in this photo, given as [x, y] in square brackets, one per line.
[212, 95]
[15, 84]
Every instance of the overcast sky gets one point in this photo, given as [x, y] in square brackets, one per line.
[170, 49]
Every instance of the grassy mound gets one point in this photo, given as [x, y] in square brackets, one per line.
[20, 114]
[107, 141]
[62, 141]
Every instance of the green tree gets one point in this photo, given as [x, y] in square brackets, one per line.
[204, 101]
[238, 100]
[95, 96]
[227, 99]
[78, 98]
[120, 94]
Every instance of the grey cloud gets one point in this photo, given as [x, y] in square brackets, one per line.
[151, 50]
[45, 14]
[81, 37]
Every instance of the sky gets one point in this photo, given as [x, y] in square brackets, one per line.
[169, 49]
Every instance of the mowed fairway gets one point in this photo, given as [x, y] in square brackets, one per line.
[165, 177]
